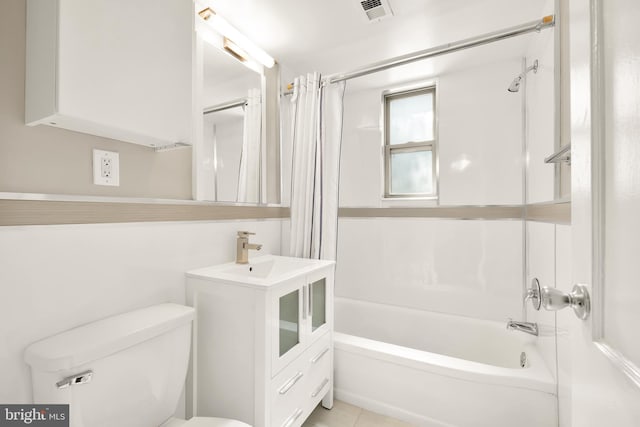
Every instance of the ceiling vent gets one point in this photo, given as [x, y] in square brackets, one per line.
[376, 10]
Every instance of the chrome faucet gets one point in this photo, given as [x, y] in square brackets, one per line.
[526, 327]
[243, 246]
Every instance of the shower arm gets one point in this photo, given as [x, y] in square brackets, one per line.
[533, 68]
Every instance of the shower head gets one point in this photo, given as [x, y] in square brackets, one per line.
[515, 84]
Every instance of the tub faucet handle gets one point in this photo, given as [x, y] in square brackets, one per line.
[533, 294]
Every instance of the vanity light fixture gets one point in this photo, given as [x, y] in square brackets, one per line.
[235, 37]
[234, 50]
[229, 47]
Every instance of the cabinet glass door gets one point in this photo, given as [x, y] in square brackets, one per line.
[318, 303]
[289, 323]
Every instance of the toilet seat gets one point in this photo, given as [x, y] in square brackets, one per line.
[214, 422]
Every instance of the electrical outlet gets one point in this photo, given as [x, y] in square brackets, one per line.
[106, 168]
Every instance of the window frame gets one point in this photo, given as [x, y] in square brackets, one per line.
[412, 146]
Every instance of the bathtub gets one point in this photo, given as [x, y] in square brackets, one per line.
[433, 369]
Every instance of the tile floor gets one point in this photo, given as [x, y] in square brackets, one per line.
[345, 415]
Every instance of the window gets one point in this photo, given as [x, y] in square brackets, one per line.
[410, 144]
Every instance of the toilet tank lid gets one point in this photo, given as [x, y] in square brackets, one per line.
[104, 337]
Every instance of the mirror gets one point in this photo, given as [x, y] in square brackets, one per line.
[232, 127]
[237, 150]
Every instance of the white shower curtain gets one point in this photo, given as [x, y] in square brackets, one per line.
[249, 175]
[317, 137]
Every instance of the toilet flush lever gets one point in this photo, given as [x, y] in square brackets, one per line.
[78, 379]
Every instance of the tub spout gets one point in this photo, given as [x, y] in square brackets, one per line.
[526, 327]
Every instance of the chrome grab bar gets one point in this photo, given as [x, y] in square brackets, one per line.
[287, 386]
[292, 419]
[319, 389]
[319, 355]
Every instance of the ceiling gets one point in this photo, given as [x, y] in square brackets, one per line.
[333, 36]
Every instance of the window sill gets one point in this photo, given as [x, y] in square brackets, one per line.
[409, 201]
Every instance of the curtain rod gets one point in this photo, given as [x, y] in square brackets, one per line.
[225, 106]
[537, 26]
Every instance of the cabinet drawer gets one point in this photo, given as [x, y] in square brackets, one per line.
[319, 376]
[292, 389]
[288, 394]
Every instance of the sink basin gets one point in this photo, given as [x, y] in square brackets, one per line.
[261, 271]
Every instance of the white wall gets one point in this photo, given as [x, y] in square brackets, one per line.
[548, 256]
[541, 262]
[564, 277]
[470, 268]
[54, 278]
[480, 140]
[540, 115]
[549, 260]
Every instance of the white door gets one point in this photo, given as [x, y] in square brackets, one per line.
[599, 380]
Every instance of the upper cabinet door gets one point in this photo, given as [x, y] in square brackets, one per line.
[120, 69]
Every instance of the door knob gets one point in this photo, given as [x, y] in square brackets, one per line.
[553, 299]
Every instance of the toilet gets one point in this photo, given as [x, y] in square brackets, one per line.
[127, 370]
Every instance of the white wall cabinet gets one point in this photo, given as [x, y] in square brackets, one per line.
[263, 353]
[112, 68]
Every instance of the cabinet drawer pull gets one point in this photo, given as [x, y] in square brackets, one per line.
[292, 419]
[287, 386]
[319, 355]
[319, 389]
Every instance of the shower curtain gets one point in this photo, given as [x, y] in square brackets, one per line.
[249, 175]
[316, 129]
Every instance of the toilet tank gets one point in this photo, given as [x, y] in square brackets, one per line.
[138, 362]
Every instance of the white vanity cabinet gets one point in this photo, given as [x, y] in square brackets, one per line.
[113, 68]
[263, 344]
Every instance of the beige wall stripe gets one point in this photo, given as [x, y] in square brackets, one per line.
[45, 212]
[556, 213]
[443, 212]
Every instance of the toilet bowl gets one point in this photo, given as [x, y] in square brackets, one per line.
[126, 371]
